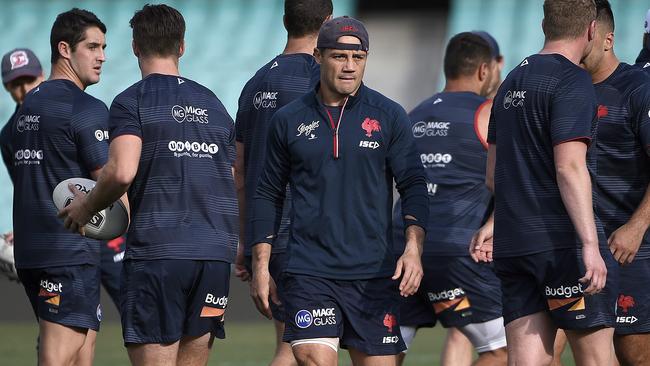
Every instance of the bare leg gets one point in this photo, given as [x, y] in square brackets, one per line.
[633, 349]
[283, 353]
[558, 347]
[361, 359]
[194, 351]
[530, 340]
[457, 350]
[496, 357]
[592, 347]
[311, 354]
[152, 354]
[86, 354]
[59, 344]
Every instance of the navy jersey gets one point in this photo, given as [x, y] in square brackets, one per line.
[58, 133]
[454, 158]
[5, 142]
[546, 100]
[622, 144]
[277, 83]
[341, 182]
[183, 201]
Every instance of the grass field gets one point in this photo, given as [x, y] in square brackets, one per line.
[247, 344]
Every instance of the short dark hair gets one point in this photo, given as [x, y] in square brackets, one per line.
[304, 17]
[605, 16]
[567, 19]
[158, 30]
[70, 27]
[464, 54]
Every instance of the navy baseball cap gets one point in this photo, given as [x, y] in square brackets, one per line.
[494, 46]
[20, 62]
[331, 30]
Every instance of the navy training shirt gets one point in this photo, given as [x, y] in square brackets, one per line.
[622, 145]
[282, 80]
[183, 200]
[341, 187]
[60, 132]
[544, 101]
[454, 157]
[5, 142]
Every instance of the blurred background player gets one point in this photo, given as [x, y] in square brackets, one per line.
[21, 72]
[339, 147]
[52, 139]
[550, 252]
[285, 78]
[173, 148]
[623, 93]
[643, 60]
[497, 57]
[450, 129]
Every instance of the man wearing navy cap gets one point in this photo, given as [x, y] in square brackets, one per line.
[339, 148]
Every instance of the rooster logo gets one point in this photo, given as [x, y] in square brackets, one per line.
[370, 126]
[625, 302]
[390, 321]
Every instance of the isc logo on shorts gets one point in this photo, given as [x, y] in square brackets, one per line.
[626, 319]
[390, 340]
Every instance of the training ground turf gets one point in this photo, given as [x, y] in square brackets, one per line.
[247, 344]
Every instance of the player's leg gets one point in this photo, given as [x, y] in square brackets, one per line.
[489, 340]
[530, 339]
[111, 253]
[632, 335]
[558, 347]
[362, 359]
[283, 352]
[59, 344]
[457, 349]
[151, 354]
[415, 313]
[592, 347]
[194, 351]
[316, 351]
[86, 354]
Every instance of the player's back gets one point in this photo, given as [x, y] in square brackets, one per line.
[623, 136]
[183, 201]
[59, 133]
[545, 101]
[282, 80]
[454, 157]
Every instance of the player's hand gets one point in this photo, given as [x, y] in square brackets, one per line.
[262, 288]
[596, 271]
[481, 246]
[76, 215]
[240, 268]
[624, 243]
[409, 267]
[9, 237]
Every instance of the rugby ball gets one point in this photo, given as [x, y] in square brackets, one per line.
[106, 224]
[7, 266]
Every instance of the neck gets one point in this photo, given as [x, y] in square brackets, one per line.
[573, 49]
[462, 85]
[61, 70]
[606, 67]
[333, 99]
[305, 44]
[158, 65]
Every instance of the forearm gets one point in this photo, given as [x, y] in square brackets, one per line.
[241, 199]
[575, 189]
[261, 255]
[414, 239]
[641, 217]
[109, 188]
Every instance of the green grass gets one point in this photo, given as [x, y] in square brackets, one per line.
[247, 344]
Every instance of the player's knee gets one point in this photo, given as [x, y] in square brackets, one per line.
[497, 356]
[315, 351]
[631, 356]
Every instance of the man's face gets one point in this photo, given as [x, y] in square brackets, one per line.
[19, 87]
[87, 58]
[601, 43]
[342, 70]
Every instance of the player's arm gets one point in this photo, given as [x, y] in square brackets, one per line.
[481, 244]
[240, 268]
[267, 214]
[404, 163]
[624, 243]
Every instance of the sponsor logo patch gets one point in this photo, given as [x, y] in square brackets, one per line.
[189, 113]
[308, 129]
[430, 129]
[370, 125]
[265, 99]
[316, 317]
[514, 98]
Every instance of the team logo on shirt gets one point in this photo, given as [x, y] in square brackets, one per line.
[431, 129]
[266, 99]
[101, 135]
[308, 129]
[514, 98]
[189, 114]
[370, 125]
[29, 122]
[18, 59]
[602, 111]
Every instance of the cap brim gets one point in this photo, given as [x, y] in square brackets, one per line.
[11, 76]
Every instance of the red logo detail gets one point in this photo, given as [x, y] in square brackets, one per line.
[115, 244]
[390, 321]
[370, 125]
[625, 302]
[18, 59]
[602, 111]
[348, 28]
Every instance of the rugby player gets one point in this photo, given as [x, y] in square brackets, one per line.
[623, 93]
[339, 147]
[643, 60]
[550, 252]
[173, 147]
[52, 139]
[450, 131]
[286, 77]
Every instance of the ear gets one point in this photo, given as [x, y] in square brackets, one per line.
[181, 49]
[318, 56]
[64, 50]
[591, 32]
[284, 21]
[609, 41]
[483, 71]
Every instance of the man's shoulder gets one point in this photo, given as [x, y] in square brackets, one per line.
[299, 105]
[374, 99]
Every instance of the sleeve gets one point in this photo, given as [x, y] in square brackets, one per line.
[5, 145]
[271, 190]
[406, 166]
[641, 108]
[492, 127]
[573, 109]
[240, 118]
[123, 117]
[232, 153]
[89, 127]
